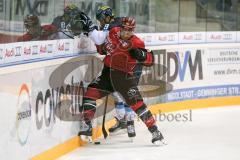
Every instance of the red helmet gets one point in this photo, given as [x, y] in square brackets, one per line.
[128, 23]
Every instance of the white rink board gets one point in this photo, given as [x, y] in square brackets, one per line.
[26, 52]
[28, 100]
[24, 136]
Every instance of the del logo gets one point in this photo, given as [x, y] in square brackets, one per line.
[227, 36]
[149, 38]
[50, 48]
[18, 51]
[34, 49]
[198, 37]
[171, 37]
[67, 46]
[178, 64]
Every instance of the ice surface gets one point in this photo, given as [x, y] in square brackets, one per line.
[213, 134]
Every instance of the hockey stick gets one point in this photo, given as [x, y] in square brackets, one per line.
[105, 134]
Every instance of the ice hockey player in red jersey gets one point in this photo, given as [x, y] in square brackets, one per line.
[37, 32]
[124, 114]
[125, 53]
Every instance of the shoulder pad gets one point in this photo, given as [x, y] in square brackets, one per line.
[137, 42]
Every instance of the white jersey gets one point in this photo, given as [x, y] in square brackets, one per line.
[98, 37]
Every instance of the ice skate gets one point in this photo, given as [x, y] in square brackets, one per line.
[157, 137]
[131, 129]
[120, 124]
[85, 132]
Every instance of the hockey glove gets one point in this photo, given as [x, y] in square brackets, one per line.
[88, 25]
[138, 54]
[81, 23]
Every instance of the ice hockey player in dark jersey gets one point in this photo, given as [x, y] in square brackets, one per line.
[37, 32]
[125, 51]
[63, 22]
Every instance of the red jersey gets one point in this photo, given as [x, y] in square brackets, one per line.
[47, 32]
[118, 56]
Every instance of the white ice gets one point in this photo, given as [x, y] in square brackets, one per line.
[213, 134]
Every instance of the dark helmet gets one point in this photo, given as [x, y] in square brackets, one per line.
[31, 21]
[71, 10]
[128, 23]
[104, 11]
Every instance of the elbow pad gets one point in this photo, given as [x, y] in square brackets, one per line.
[98, 37]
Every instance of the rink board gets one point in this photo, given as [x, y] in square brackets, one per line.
[201, 75]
